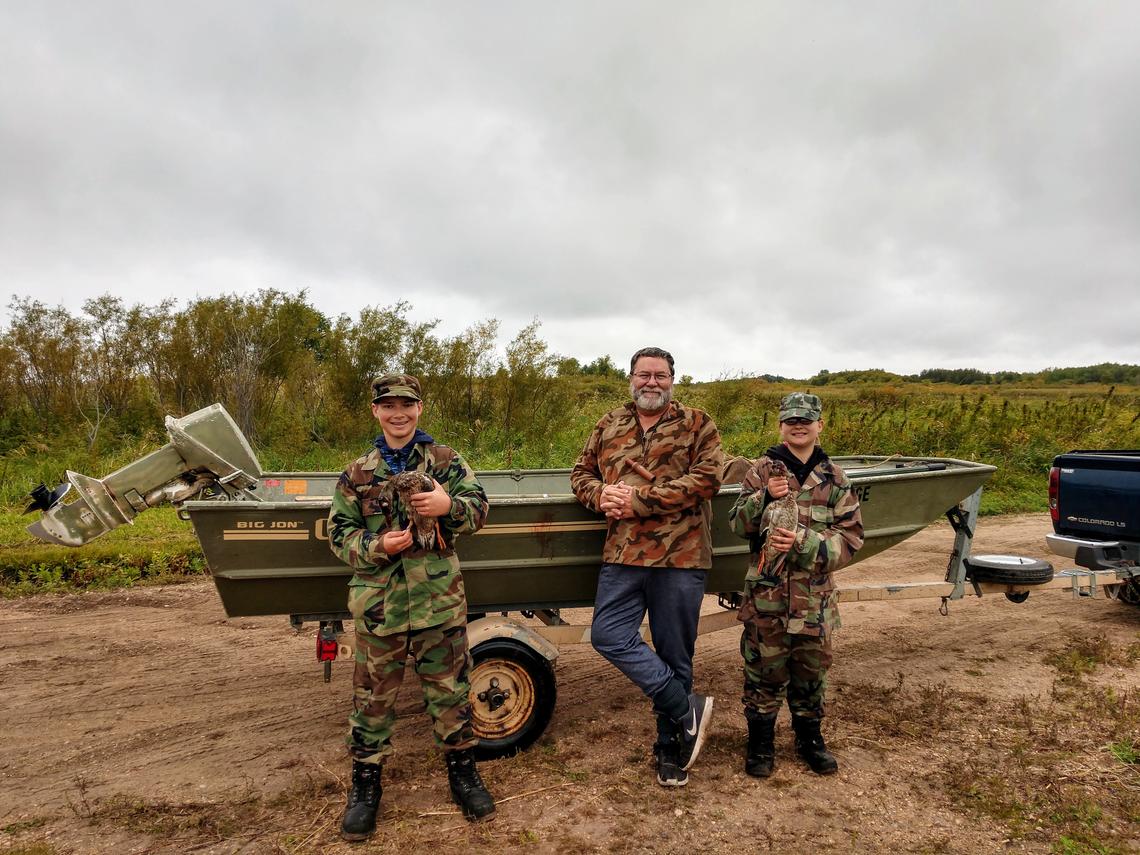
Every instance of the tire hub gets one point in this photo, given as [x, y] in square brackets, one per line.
[503, 698]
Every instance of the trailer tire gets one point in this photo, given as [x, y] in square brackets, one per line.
[512, 696]
[1008, 570]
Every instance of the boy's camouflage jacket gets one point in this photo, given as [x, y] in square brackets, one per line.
[420, 588]
[830, 533]
[672, 513]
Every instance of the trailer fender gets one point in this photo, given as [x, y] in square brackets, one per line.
[486, 628]
[478, 631]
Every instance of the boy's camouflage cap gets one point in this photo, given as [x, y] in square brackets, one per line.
[395, 386]
[801, 405]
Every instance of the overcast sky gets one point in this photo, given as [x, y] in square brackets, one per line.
[758, 187]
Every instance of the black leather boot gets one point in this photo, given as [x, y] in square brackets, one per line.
[810, 746]
[760, 759]
[363, 799]
[467, 789]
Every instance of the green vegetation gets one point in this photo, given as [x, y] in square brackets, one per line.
[88, 392]
[1126, 751]
[1082, 655]
[158, 548]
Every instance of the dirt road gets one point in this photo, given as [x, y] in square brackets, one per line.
[146, 721]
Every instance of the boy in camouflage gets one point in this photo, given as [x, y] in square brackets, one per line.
[652, 467]
[789, 610]
[406, 599]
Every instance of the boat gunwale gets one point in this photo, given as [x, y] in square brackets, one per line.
[864, 473]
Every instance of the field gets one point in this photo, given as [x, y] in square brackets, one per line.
[145, 721]
[1018, 429]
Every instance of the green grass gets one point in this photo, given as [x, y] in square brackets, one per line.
[158, 548]
[1019, 430]
[1127, 751]
[25, 825]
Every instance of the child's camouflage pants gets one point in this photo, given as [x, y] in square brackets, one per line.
[441, 661]
[777, 662]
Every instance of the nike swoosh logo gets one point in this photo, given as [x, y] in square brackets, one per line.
[692, 731]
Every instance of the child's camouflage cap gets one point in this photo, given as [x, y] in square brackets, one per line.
[801, 405]
[395, 386]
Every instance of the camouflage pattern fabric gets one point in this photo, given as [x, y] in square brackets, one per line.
[794, 592]
[418, 588]
[801, 405]
[672, 511]
[441, 661]
[777, 662]
[395, 386]
[790, 612]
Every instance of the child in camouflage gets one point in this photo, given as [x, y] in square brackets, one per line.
[790, 611]
[406, 596]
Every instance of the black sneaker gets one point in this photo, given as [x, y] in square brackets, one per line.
[693, 729]
[669, 771]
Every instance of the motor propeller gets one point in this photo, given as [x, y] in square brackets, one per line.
[44, 499]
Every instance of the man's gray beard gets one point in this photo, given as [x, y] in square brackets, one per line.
[659, 401]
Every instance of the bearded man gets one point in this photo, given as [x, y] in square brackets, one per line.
[652, 467]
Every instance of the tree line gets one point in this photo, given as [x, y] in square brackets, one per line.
[292, 376]
[287, 373]
[1106, 373]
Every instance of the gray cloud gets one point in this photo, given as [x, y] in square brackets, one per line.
[758, 186]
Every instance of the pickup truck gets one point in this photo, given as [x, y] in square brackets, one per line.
[1094, 499]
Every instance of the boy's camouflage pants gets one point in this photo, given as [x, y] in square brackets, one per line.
[777, 662]
[441, 661]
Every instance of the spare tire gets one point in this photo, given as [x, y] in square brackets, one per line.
[1008, 570]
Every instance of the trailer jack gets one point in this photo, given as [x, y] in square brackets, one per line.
[327, 644]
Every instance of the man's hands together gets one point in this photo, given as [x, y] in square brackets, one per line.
[617, 501]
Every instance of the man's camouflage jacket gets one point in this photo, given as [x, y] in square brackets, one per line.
[672, 510]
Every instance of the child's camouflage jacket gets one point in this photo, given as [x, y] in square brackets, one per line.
[830, 532]
[420, 588]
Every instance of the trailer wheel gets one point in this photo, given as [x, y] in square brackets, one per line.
[512, 696]
[1008, 570]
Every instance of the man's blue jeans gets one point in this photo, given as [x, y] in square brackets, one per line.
[673, 599]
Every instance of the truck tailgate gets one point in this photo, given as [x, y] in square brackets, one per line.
[1099, 495]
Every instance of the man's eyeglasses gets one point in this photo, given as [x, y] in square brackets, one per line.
[645, 377]
[796, 421]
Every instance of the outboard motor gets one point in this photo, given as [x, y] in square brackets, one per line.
[206, 451]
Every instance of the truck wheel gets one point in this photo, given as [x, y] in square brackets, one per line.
[1008, 570]
[1131, 592]
[1127, 591]
[512, 696]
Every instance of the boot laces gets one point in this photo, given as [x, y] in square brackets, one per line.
[365, 783]
[467, 774]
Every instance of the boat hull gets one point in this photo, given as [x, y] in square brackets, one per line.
[540, 548]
